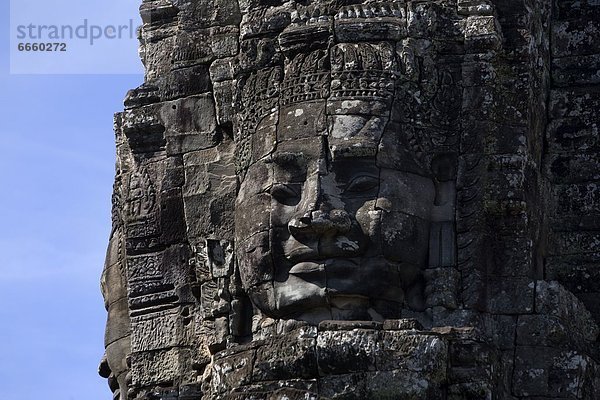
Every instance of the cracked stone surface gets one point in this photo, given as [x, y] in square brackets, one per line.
[358, 199]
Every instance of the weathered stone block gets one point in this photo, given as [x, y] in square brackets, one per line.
[578, 242]
[475, 7]
[401, 384]
[346, 387]
[502, 330]
[511, 295]
[443, 286]
[576, 9]
[542, 371]
[542, 330]
[576, 70]
[482, 33]
[573, 134]
[161, 331]
[204, 14]
[472, 361]
[575, 37]
[184, 82]
[161, 367]
[224, 40]
[190, 124]
[214, 298]
[574, 102]
[277, 360]
[223, 92]
[573, 168]
[209, 193]
[471, 391]
[553, 299]
[232, 371]
[577, 199]
[412, 351]
[172, 218]
[579, 273]
[342, 352]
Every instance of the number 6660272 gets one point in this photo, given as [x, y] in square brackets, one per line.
[42, 46]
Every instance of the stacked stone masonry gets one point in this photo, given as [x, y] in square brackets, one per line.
[358, 199]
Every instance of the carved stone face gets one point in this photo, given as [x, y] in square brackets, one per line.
[113, 365]
[336, 200]
[323, 232]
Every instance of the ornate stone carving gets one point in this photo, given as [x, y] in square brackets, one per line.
[355, 200]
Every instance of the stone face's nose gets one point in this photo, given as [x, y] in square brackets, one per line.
[319, 216]
[321, 223]
[103, 369]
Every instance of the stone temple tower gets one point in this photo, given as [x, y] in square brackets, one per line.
[358, 199]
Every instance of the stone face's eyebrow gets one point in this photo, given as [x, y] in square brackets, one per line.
[353, 152]
[289, 166]
[348, 169]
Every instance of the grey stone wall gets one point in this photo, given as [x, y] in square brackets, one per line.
[572, 150]
[490, 105]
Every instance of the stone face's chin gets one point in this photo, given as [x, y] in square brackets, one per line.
[297, 295]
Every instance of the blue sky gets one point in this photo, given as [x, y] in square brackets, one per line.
[57, 167]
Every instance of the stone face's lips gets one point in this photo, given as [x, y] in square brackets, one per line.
[336, 249]
[299, 252]
[308, 267]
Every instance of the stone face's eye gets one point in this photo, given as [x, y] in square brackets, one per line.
[361, 184]
[286, 193]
